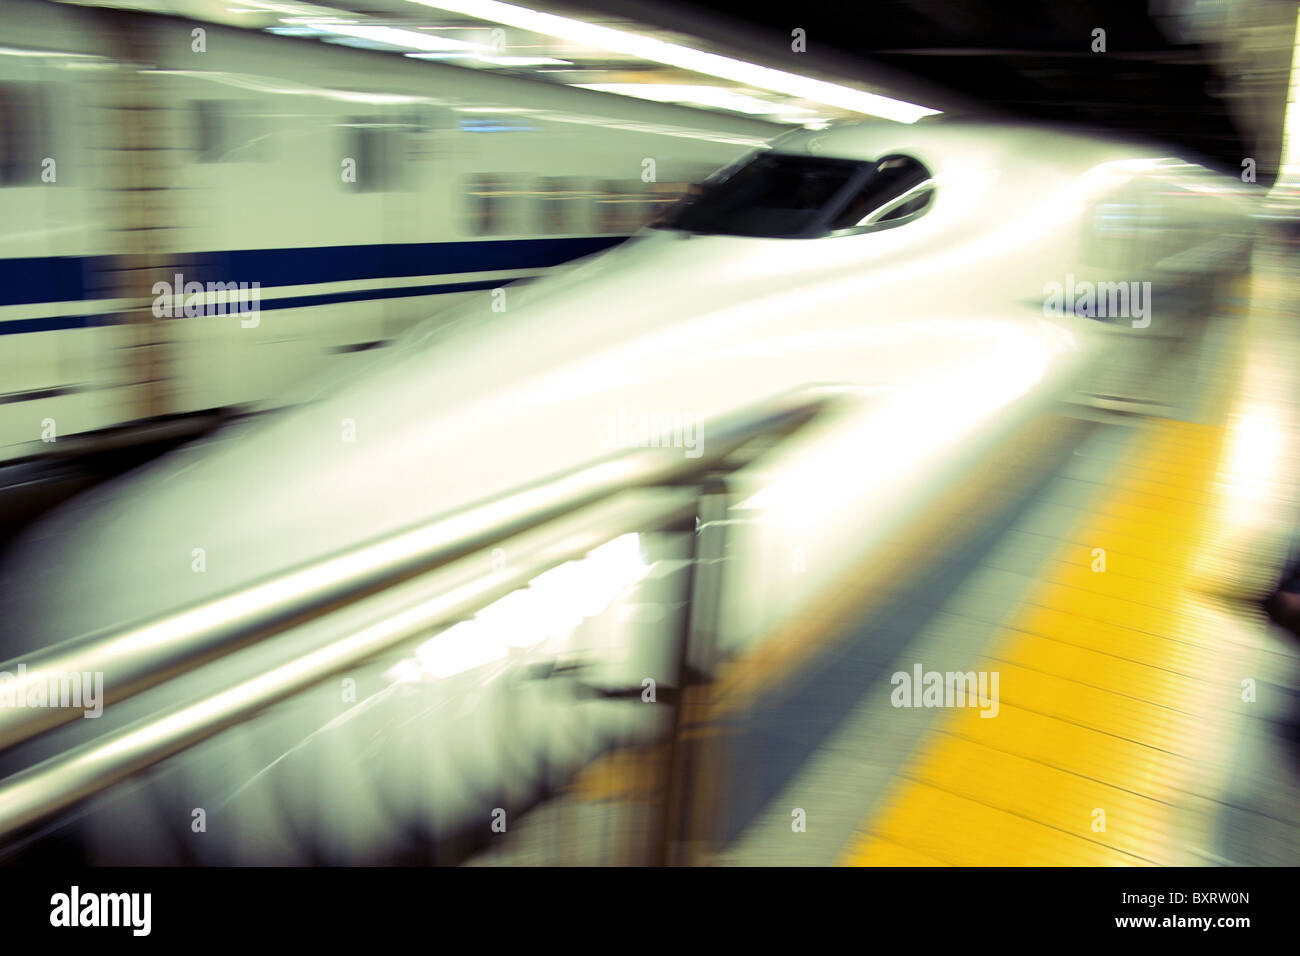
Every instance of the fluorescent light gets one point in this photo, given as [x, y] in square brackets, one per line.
[522, 60]
[245, 82]
[46, 54]
[493, 59]
[393, 36]
[295, 9]
[672, 54]
[714, 96]
[359, 44]
[1290, 165]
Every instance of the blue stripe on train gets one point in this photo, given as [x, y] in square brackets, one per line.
[72, 278]
[274, 267]
[53, 279]
[54, 323]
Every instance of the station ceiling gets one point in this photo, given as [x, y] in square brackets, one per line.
[1210, 76]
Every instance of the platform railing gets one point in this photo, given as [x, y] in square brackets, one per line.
[358, 604]
[346, 639]
[140, 656]
[350, 608]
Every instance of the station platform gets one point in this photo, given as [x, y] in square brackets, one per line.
[1135, 706]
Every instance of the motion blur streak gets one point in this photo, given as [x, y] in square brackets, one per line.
[904, 426]
[553, 605]
[637, 457]
[697, 61]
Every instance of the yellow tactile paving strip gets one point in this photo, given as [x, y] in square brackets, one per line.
[1103, 675]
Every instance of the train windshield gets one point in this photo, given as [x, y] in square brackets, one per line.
[781, 196]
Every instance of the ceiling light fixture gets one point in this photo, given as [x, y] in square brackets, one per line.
[650, 49]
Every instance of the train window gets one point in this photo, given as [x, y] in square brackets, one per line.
[607, 208]
[560, 206]
[225, 131]
[210, 127]
[492, 204]
[663, 196]
[778, 195]
[21, 135]
[378, 149]
[772, 195]
[897, 187]
[621, 207]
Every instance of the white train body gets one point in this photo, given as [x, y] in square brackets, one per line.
[683, 325]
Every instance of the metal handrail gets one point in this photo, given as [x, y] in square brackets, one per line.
[143, 655]
[430, 577]
[350, 637]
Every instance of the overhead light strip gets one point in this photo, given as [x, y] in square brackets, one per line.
[713, 96]
[390, 36]
[652, 50]
[1290, 165]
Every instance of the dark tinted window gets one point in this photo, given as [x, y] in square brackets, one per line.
[773, 195]
[21, 134]
[785, 196]
[891, 177]
[211, 127]
[903, 210]
[378, 147]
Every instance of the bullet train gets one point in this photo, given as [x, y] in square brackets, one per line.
[847, 255]
[356, 191]
[927, 261]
